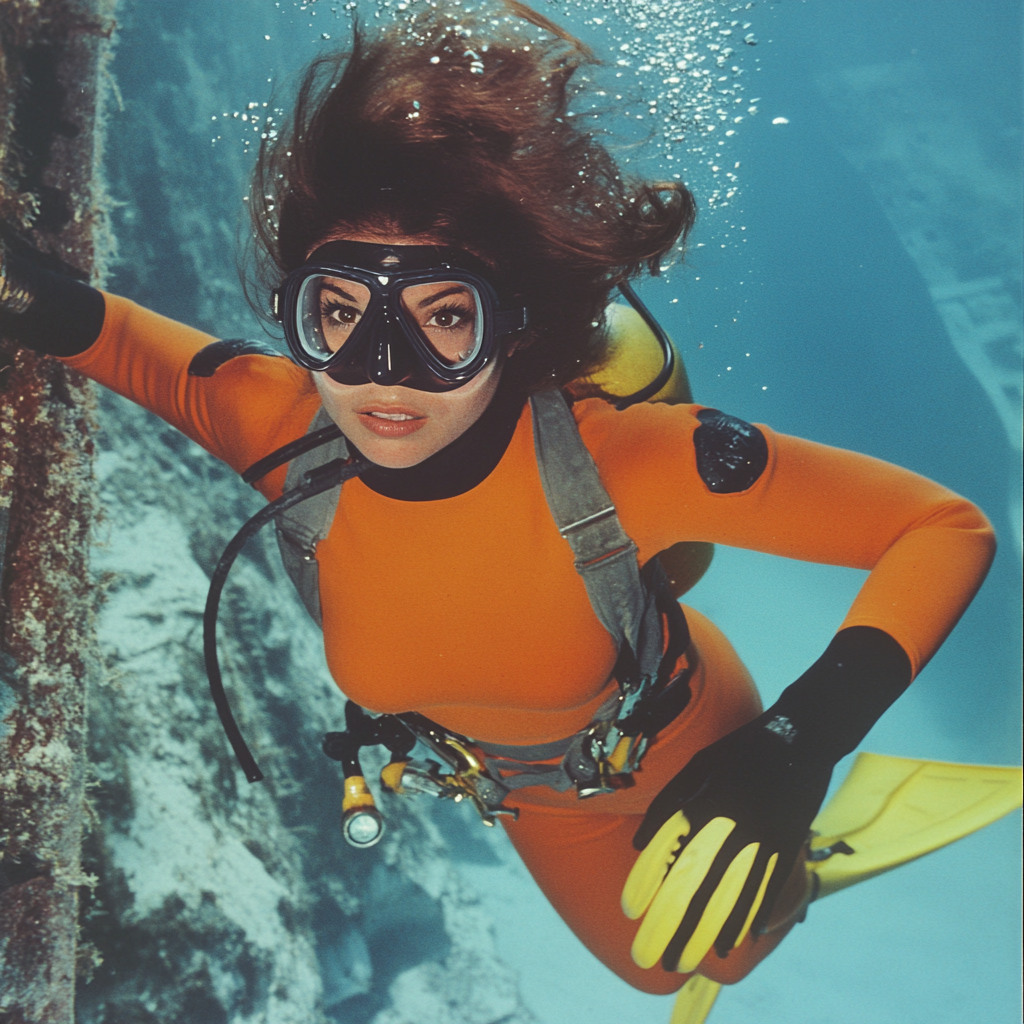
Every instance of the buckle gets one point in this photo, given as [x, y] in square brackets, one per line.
[603, 760]
[467, 777]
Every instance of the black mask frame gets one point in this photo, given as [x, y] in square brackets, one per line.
[385, 346]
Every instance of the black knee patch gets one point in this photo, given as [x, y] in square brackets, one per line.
[207, 360]
[731, 454]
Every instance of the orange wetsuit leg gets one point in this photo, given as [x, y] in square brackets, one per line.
[580, 852]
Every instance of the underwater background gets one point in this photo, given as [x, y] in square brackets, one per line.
[854, 278]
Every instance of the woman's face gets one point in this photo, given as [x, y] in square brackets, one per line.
[398, 427]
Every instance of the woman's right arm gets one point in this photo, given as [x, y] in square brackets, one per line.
[249, 406]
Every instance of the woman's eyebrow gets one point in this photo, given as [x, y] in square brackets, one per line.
[330, 286]
[437, 296]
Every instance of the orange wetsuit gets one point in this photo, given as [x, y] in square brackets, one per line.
[469, 610]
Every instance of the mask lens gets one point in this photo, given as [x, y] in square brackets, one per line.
[448, 316]
[328, 310]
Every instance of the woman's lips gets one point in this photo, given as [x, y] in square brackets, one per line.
[391, 422]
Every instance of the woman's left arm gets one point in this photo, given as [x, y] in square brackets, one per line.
[676, 477]
[927, 548]
[743, 806]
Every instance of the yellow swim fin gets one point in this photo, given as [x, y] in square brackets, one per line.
[891, 810]
[694, 1000]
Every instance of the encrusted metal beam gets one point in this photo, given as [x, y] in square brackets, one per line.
[52, 58]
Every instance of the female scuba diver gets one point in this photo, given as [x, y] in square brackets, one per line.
[441, 239]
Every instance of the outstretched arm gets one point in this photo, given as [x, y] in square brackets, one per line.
[927, 548]
[247, 408]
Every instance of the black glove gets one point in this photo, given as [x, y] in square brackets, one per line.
[720, 840]
[45, 309]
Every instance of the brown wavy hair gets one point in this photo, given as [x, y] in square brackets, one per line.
[461, 134]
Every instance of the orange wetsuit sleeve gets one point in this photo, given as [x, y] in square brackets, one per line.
[250, 406]
[927, 548]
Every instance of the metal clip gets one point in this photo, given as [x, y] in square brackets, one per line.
[470, 779]
[481, 790]
[605, 760]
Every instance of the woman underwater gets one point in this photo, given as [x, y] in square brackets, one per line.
[444, 241]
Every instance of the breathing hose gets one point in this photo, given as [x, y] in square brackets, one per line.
[316, 481]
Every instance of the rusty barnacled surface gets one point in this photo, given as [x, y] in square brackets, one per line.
[51, 73]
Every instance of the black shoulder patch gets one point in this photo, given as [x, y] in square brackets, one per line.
[207, 360]
[731, 454]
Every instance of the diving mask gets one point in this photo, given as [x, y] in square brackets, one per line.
[418, 316]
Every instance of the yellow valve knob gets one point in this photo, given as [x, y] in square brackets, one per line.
[391, 776]
[619, 756]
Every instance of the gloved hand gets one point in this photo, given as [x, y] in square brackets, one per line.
[16, 295]
[720, 840]
[740, 811]
[42, 306]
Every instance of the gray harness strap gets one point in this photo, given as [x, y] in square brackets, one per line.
[303, 526]
[604, 556]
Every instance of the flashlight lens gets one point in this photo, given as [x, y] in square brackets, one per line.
[363, 827]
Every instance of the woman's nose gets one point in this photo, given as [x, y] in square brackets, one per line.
[389, 360]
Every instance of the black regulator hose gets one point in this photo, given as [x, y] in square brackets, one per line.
[316, 481]
[290, 451]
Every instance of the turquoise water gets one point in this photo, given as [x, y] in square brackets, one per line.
[861, 287]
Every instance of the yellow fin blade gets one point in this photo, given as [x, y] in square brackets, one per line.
[891, 810]
[694, 1001]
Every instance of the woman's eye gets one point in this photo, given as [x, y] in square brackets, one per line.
[340, 316]
[445, 318]
[449, 318]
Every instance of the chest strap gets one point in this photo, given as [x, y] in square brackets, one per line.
[303, 526]
[635, 606]
[604, 555]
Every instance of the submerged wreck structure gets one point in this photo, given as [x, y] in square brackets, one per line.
[141, 878]
[51, 64]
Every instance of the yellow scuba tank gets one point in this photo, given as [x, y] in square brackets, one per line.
[636, 357]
